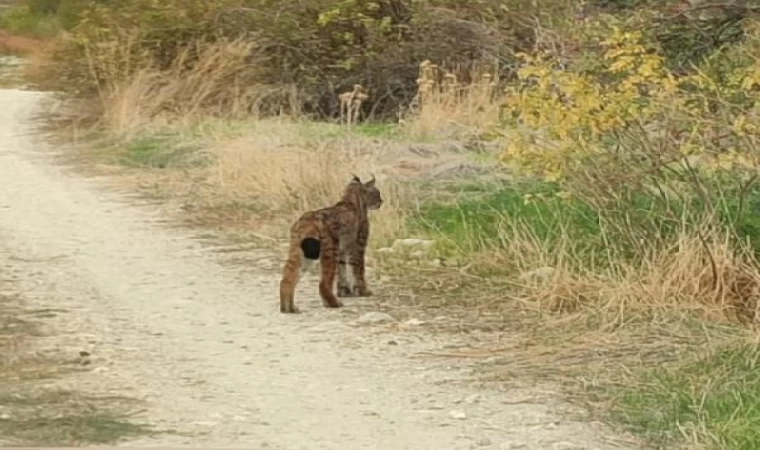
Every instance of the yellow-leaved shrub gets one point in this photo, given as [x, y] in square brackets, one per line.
[628, 121]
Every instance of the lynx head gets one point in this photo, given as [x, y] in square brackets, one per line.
[366, 192]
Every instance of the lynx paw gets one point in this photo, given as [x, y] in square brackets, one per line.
[345, 291]
[332, 303]
[289, 309]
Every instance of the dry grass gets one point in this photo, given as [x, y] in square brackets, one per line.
[206, 80]
[56, 418]
[571, 315]
[264, 175]
[454, 103]
[287, 173]
[217, 85]
[705, 278]
[593, 324]
[686, 281]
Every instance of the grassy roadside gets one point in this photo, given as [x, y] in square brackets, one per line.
[671, 371]
[673, 375]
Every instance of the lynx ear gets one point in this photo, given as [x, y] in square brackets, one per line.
[371, 182]
[356, 180]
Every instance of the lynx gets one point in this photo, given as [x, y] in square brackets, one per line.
[336, 236]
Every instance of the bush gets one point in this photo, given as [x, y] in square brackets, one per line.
[326, 46]
[322, 46]
[27, 22]
[626, 128]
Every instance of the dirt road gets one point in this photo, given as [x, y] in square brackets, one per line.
[204, 344]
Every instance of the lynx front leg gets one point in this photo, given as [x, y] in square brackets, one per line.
[346, 280]
[357, 266]
[345, 286]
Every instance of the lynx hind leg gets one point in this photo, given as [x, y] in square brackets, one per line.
[356, 268]
[328, 262]
[290, 276]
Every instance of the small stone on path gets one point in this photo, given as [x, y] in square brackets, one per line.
[458, 414]
[372, 318]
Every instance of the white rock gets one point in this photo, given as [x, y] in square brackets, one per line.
[414, 323]
[512, 446]
[419, 254]
[204, 423]
[409, 243]
[474, 398]
[458, 414]
[385, 250]
[375, 317]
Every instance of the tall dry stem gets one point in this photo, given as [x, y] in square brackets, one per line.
[207, 79]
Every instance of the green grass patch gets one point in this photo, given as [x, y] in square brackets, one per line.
[326, 130]
[377, 130]
[168, 147]
[714, 401]
[741, 212]
[161, 149]
[384, 131]
[476, 217]
[158, 152]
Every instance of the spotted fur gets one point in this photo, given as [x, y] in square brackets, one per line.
[336, 236]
